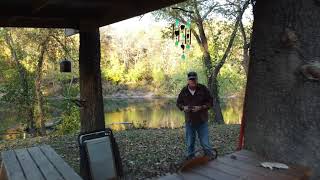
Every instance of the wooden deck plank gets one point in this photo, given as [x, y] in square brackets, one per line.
[255, 169]
[47, 169]
[254, 159]
[30, 169]
[11, 166]
[242, 165]
[185, 176]
[249, 154]
[170, 177]
[213, 173]
[236, 171]
[65, 170]
[193, 176]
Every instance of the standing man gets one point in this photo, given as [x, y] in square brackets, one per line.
[195, 100]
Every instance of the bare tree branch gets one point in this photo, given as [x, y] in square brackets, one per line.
[210, 10]
[243, 32]
[65, 48]
[245, 47]
[198, 15]
[182, 10]
[232, 37]
[197, 37]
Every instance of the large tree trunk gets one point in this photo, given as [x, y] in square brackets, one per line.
[211, 80]
[38, 91]
[282, 106]
[91, 112]
[213, 86]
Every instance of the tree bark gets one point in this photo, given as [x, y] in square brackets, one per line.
[23, 82]
[245, 50]
[282, 106]
[38, 91]
[213, 86]
[91, 112]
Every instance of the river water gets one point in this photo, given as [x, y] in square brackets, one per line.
[121, 114]
[163, 113]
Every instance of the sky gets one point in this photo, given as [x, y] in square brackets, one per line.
[147, 20]
[136, 23]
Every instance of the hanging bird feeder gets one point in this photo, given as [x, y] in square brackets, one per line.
[65, 65]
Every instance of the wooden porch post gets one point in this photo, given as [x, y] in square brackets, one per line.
[92, 115]
[91, 112]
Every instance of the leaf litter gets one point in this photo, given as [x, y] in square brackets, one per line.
[145, 153]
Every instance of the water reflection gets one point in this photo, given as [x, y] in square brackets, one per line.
[162, 113]
[158, 113]
[232, 110]
[121, 114]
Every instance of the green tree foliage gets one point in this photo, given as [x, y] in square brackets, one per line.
[232, 75]
[71, 114]
[32, 55]
[17, 88]
[138, 60]
[146, 59]
[150, 59]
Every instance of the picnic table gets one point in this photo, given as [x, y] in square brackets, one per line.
[241, 165]
[35, 163]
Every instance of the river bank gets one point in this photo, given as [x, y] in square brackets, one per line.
[145, 153]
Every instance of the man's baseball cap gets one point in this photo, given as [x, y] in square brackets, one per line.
[192, 75]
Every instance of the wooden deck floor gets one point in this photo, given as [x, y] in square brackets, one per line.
[244, 165]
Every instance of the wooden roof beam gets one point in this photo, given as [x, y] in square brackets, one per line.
[39, 22]
[72, 13]
[37, 5]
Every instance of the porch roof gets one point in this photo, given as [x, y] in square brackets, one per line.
[73, 13]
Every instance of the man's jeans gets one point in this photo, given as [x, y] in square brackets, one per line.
[202, 130]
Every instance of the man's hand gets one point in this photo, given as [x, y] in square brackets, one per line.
[186, 109]
[196, 108]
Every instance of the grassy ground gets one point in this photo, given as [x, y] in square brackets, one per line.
[145, 152]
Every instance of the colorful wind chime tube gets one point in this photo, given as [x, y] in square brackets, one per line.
[185, 37]
[173, 30]
[182, 36]
[190, 35]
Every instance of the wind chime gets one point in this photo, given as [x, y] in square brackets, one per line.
[182, 36]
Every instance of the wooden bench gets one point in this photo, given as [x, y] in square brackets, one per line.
[36, 163]
[241, 165]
